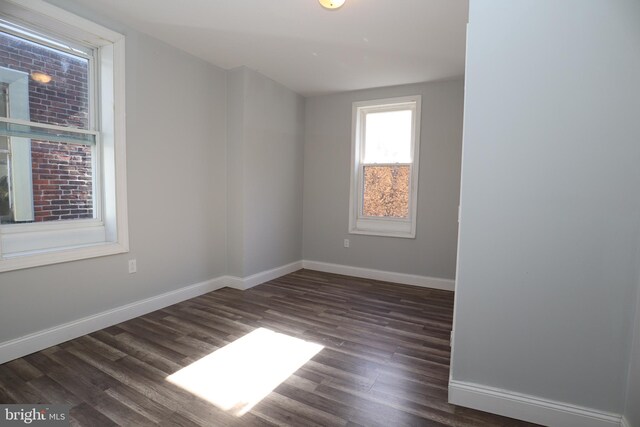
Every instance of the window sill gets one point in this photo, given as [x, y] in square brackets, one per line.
[385, 227]
[23, 260]
[400, 234]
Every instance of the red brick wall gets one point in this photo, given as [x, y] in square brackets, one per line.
[62, 182]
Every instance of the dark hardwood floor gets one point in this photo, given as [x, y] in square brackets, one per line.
[385, 360]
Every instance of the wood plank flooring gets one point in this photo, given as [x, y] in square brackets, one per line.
[385, 360]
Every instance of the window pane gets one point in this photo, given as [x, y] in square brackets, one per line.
[386, 191]
[388, 137]
[62, 182]
[54, 82]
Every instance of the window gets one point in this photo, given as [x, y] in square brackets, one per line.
[384, 174]
[62, 152]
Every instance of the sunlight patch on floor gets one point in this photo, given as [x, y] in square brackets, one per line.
[239, 375]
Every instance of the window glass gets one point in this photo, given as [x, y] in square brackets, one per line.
[388, 137]
[62, 181]
[386, 191]
[58, 81]
[46, 174]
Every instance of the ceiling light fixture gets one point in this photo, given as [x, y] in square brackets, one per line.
[331, 4]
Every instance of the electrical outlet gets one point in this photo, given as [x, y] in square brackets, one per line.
[346, 243]
[133, 267]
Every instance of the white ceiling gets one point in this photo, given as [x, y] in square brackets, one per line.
[364, 44]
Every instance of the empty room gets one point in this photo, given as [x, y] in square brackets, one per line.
[320, 213]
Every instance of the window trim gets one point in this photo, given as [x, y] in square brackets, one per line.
[388, 227]
[109, 46]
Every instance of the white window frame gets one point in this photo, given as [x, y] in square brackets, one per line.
[36, 244]
[375, 226]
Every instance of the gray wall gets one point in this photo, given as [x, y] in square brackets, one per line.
[235, 171]
[176, 137]
[550, 207]
[327, 160]
[632, 409]
[266, 130]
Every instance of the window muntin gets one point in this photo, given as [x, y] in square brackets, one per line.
[385, 167]
[88, 141]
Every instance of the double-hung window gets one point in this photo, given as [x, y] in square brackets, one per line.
[62, 153]
[384, 167]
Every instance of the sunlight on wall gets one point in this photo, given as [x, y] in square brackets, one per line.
[239, 375]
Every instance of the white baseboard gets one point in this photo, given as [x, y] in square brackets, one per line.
[387, 276]
[528, 408]
[347, 270]
[624, 422]
[264, 276]
[40, 340]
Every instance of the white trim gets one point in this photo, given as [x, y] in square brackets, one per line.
[59, 256]
[35, 242]
[624, 422]
[120, 151]
[68, 25]
[529, 408]
[262, 277]
[387, 276]
[37, 341]
[65, 224]
[67, 48]
[235, 282]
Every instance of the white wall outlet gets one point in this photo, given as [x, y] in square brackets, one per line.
[346, 243]
[133, 266]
